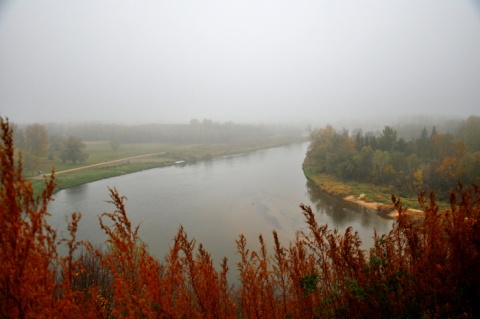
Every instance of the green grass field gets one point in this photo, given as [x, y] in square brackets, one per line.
[100, 152]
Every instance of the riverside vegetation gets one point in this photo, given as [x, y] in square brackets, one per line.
[378, 165]
[423, 269]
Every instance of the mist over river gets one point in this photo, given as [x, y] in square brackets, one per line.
[215, 201]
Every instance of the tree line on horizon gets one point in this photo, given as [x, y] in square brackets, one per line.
[423, 269]
[194, 132]
[433, 160]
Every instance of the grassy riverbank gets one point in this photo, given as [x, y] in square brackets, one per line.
[103, 162]
[378, 198]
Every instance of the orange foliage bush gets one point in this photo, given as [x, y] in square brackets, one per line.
[419, 269]
[35, 282]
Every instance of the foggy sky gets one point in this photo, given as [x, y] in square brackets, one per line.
[245, 61]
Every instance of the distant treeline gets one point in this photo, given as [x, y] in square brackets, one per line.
[206, 131]
[432, 160]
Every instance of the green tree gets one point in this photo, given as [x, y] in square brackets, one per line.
[470, 168]
[56, 145]
[382, 169]
[388, 139]
[424, 134]
[470, 133]
[73, 150]
[321, 145]
[363, 163]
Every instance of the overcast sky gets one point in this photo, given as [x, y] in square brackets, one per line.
[240, 60]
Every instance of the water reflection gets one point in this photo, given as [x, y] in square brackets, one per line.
[80, 191]
[340, 212]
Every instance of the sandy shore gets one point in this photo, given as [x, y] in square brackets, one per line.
[389, 210]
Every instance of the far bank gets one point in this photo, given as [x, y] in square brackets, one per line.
[105, 163]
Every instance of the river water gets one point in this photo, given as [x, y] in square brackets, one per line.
[215, 201]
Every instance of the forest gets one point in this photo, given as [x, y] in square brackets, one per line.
[432, 160]
[427, 269]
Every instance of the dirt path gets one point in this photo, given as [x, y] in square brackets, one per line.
[98, 164]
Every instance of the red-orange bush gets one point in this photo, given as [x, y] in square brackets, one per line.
[35, 282]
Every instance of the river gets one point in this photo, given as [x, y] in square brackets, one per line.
[215, 201]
